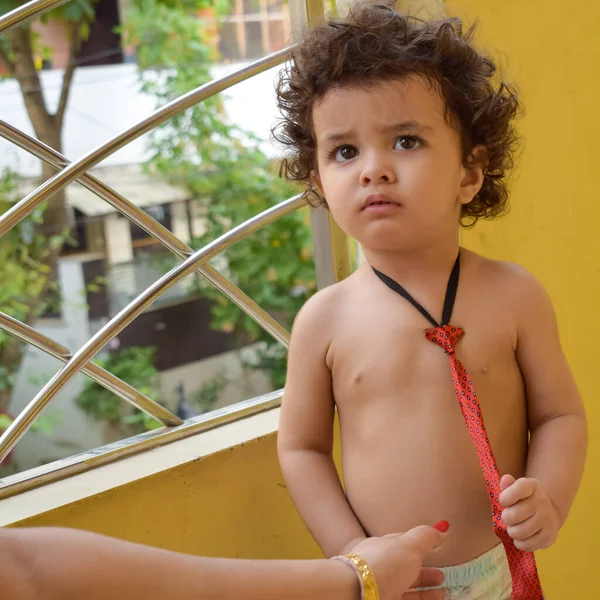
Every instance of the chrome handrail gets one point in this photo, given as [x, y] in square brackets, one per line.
[27, 12]
[102, 376]
[79, 463]
[80, 360]
[24, 420]
[152, 227]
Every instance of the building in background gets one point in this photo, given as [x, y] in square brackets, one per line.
[255, 28]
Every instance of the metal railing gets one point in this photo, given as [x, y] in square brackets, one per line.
[98, 374]
[148, 224]
[331, 257]
[28, 11]
[127, 280]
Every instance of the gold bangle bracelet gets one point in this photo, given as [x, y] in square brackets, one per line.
[368, 584]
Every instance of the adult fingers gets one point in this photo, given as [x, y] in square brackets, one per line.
[429, 577]
[424, 539]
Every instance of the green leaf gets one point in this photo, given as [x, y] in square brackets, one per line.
[47, 422]
[75, 11]
[8, 5]
[133, 365]
[84, 31]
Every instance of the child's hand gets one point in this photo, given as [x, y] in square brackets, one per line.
[531, 519]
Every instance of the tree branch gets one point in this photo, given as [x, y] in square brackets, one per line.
[69, 71]
[9, 64]
[28, 78]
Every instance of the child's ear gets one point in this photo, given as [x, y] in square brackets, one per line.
[475, 168]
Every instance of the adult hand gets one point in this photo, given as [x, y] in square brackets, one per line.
[397, 562]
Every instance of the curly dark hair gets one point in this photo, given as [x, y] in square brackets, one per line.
[375, 43]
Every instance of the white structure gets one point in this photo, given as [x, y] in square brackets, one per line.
[106, 100]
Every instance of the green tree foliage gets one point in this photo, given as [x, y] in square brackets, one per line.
[227, 174]
[24, 273]
[134, 366]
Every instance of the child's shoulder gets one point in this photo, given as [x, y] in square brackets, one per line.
[501, 270]
[320, 313]
[509, 280]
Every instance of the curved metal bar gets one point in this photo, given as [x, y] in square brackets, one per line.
[98, 374]
[26, 12]
[86, 461]
[76, 169]
[22, 423]
[155, 229]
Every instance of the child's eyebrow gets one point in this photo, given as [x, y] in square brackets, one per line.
[410, 125]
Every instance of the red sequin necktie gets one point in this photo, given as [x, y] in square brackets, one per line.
[525, 580]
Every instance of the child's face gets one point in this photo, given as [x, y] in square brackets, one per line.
[389, 164]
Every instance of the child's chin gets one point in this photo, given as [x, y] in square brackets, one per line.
[387, 236]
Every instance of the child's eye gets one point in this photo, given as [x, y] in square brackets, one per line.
[344, 153]
[407, 142]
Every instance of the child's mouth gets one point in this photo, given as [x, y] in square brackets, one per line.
[379, 203]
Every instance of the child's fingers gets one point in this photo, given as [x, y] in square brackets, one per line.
[519, 490]
[526, 530]
[506, 482]
[533, 543]
[519, 512]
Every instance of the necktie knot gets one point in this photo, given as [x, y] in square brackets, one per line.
[445, 336]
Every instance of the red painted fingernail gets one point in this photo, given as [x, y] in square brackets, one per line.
[442, 526]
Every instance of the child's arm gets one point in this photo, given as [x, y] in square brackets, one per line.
[537, 505]
[305, 440]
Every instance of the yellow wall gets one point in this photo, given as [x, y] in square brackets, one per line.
[552, 50]
[232, 503]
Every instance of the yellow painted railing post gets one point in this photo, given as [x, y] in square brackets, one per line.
[332, 254]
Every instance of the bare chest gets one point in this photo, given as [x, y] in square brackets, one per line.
[387, 366]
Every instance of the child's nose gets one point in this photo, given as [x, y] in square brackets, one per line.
[377, 170]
